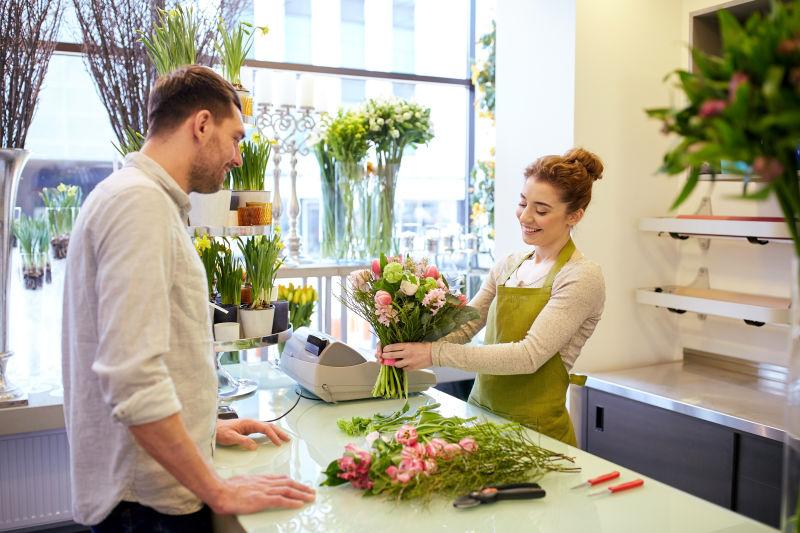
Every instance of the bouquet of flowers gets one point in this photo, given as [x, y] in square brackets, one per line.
[301, 303]
[424, 454]
[404, 301]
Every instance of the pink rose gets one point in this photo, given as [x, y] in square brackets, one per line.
[462, 298]
[712, 108]
[468, 444]
[431, 272]
[405, 477]
[392, 472]
[383, 299]
[376, 268]
[406, 435]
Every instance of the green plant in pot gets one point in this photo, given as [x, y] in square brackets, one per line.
[33, 241]
[247, 182]
[230, 276]
[209, 250]
[62, 204]
[743, 107]
[262, 259]
[173, 42]
[232, 48]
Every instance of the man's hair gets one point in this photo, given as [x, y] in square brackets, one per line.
[185, 91]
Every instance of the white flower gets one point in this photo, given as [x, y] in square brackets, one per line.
[358, 279]
[407, 115]
[408, 288]
[395, 134]
[375, 127]
[390, 122]
[417, 115]
[372, 437]
[379, 121]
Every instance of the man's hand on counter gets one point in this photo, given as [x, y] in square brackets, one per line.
[251, 494]
[235, 431]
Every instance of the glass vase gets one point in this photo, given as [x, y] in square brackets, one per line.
[384, 240]
[328, 224]
[790, 514]
[350, 229]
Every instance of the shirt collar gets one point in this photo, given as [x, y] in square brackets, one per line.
[157, 173]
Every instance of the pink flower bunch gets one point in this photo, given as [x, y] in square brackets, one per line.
[434, 300]
[383, 308]
[354, 466]
[417, 458]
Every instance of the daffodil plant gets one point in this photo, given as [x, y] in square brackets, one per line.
[262, 259]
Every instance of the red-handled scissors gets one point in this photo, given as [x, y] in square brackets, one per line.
[599, 479]
[619, 488]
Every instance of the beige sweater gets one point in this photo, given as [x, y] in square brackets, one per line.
[563, 326]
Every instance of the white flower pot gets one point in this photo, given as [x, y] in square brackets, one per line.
[251, 196]
[256, 322]
[210, 209]
[226, 331]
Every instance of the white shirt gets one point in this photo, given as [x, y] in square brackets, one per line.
[137, 344]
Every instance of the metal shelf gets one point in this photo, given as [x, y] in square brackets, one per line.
[255, 342]
[758, 230]
[753, 309]
[229, 231]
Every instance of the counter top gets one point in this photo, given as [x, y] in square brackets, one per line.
[732, 399]
[316, 441]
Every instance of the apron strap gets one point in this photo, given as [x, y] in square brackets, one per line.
[519, 264]
[563, 256]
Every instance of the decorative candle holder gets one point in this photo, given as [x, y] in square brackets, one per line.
[291, 127]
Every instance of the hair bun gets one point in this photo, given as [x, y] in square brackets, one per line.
[592, 163]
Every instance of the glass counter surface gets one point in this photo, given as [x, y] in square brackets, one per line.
[316, 440]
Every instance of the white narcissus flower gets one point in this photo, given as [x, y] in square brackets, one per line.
[408, 288]
[395, 134]
[407, 115]
[379, 120]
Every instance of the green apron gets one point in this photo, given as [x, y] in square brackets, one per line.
[537, 400]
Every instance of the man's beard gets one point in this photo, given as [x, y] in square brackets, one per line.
[204, 176]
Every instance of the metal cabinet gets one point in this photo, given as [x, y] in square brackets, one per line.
[738, 471]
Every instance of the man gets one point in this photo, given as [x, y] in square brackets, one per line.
[139, 380]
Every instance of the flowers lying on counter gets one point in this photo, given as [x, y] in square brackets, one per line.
[404, 301]
[426, 454]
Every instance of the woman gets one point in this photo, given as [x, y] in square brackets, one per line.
[539, 307]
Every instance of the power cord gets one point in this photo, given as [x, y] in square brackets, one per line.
[299, 395]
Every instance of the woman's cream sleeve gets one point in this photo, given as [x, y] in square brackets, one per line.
[568, 319]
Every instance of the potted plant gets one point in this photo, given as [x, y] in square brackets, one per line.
[173, 42]
[741, 113]
[32, 238]
[247, 182]
[209, 251]
[229, 284]
[232, 48]
[62, 205]
[262, 260]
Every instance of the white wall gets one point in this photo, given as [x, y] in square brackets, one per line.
[580, 72]
[620, 51]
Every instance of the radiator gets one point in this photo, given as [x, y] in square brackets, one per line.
[34, 479]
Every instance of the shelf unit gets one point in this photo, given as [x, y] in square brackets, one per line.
[229, 231]
[757, 230]
[754, 310]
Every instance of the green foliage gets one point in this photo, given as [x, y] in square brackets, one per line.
[233, 47]
[33, 236]
[173, 43]
[483, 73]
[262, 260]
[209, 249]
[133, 142]
[62, 205]
[255, 159]
[743, 106]
[230, 276]
[327, 171]
[482, 195]
[346, 137]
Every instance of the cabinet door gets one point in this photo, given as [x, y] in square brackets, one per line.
[689, 454]
[758, 479]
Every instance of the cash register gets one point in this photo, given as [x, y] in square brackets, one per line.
[334, 371]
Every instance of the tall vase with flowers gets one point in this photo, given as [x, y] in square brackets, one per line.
[346, 138]
[744, 107]
[404, 301]
[393, 126]
[262, 259]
